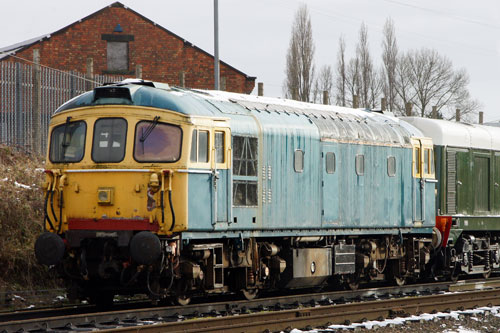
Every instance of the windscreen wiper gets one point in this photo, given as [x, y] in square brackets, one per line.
[150, 129]
[65, 142]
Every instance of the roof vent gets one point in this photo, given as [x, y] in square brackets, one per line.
[122, 93]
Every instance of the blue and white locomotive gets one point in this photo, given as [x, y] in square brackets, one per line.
[173, 192]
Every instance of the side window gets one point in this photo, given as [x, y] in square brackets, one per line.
[427, 165]
[330, 163]
[219, 147]
[199, 146]
[360, 165]
[391, 166]
[110, 135]
[245, 157]
[194, 147]
[416, 162]
[203, 146]
[298, 160]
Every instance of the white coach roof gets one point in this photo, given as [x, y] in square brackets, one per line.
[454, 134]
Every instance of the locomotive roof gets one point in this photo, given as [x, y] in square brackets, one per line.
[455, 134]
[333, 122]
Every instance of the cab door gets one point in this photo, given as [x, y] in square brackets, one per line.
[424, 181]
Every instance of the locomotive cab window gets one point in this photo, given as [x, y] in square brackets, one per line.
[428, 163]
[219, 147]
[416, 162]
[157, 142]
[109, 140]
[199, 146]
[67, 142]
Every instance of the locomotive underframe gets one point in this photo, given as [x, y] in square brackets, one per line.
[103, 266]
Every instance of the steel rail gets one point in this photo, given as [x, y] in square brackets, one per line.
[57, 318]
[326, 315]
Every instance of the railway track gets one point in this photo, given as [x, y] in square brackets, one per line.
[272, 314]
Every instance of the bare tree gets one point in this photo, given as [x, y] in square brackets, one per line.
[323, 82]
[299, 60]
[427, 79]
[341, 81]
[390, 57]
[402, 85]
[353, 81]
[365, 66]
[375, 88]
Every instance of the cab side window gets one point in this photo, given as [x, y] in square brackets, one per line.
[199, 146]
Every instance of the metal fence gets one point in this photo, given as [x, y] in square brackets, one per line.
[28, 97]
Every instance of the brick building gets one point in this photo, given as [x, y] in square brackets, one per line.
[120, 41]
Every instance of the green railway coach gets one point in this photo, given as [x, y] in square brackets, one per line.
[468, 191]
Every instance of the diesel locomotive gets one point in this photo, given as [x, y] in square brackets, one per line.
[176, 193]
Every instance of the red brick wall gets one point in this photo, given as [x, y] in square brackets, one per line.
[162, 55]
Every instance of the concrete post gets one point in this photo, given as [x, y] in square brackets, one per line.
[260, 89]
[457, 115]
[325, 97]
[481, 114]
[383, 104]
[223, 83]
[182, 79]
[409, 108]
[89, 84]
[355, 101]
[36, 139]
[138, 71]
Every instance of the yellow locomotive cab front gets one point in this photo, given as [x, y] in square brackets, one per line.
[114, 171]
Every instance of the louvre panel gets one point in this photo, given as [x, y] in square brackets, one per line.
[451, 187]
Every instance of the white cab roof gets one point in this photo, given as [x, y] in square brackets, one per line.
[454, 134]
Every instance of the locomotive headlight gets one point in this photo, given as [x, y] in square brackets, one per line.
[105, 196]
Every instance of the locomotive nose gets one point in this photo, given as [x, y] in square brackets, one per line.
[49, 249]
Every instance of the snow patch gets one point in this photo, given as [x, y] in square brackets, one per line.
[423, 317]
[22, 185]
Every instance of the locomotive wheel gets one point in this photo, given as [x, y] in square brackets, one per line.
[182, 300]
[250, 294]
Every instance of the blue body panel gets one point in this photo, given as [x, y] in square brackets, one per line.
[290, 203]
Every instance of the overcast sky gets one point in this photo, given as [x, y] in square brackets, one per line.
[254, 34]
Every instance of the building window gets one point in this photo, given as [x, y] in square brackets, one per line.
[117, 52]
[298, 160]
[117, 56]
[391, 166]
[360, 165]
[330, 162]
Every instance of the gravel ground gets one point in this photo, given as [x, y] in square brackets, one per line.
[482, 320]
